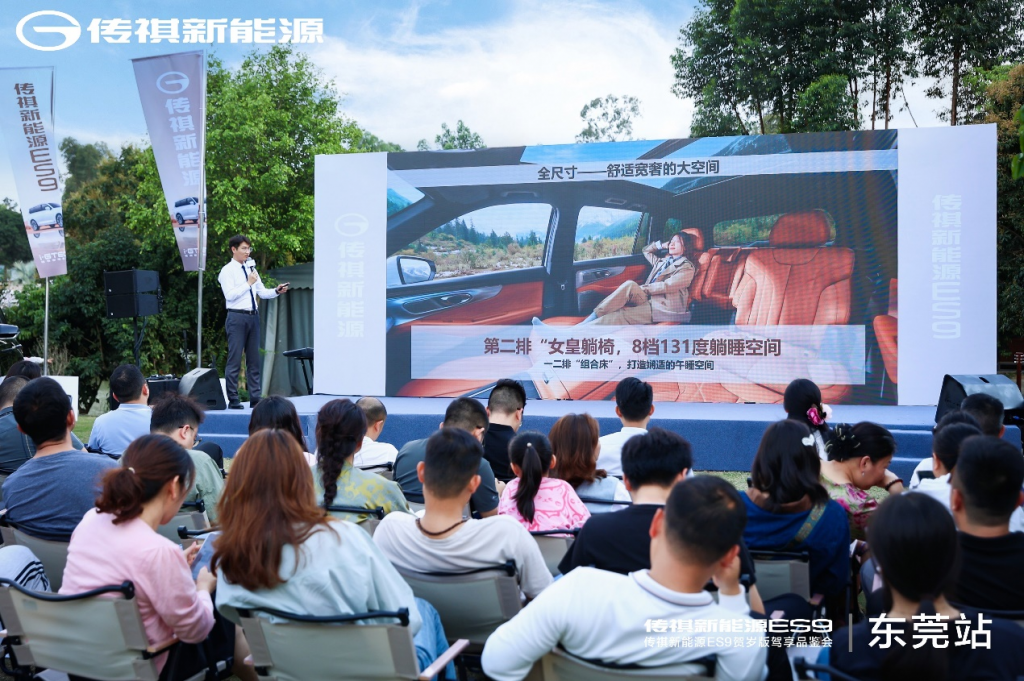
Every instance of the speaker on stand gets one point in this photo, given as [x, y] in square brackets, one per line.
[133, 293]
[203, 385]
[956, 388]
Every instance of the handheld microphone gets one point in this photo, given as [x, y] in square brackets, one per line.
[250, 264]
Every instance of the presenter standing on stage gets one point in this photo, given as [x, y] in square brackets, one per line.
[241, 286]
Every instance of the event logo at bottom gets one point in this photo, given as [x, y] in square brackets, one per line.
[737, 633]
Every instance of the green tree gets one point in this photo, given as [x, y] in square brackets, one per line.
[82, 161]
[366, 141]
[460, 138]
[14, 245]
[891, 59]
[713, 116]
[609, 119]
[957, 35]
[826, 105]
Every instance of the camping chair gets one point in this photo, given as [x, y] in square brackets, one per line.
[471, 604]
[801, 666]
[88, 634]
[192, 515]
[385, 470]
[52, 554]
[553, 545]
[369, 524]
[782, 572]
[558, 665]
[588, 501]
[304, 647]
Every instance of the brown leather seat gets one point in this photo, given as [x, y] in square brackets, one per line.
[886, 326]
[724, 266]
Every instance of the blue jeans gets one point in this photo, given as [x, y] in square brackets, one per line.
[430, 641]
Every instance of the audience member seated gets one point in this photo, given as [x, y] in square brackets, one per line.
[789, 510]
[505, 407]
[118, 541]
[374, 453]
[537, 501]
[915, 544]
[925, 469]
[178, 417]
[802, 402]
[278, 550]
[599, 616]
[114, 431]
[444, 540]
[652, 464]
[279, 412]
[21, 566]
[987, 410]
[15, 447]
[25, 368]
[340, 428]
[634, 405]
[986, 491]
[48, 495]
[469, 415]
[858, 459]
[946, 444]
[575, 443]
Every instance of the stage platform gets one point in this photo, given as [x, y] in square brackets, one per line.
[724, 436]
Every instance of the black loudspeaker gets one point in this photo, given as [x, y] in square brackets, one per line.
[203, 385]
[129, 293]
[956, 388]
[161, 385]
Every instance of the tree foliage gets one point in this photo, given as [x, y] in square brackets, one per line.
[889, 57]
[609, 119]
[826, 105]
[82, 161]
[460, 138]
[14, 245]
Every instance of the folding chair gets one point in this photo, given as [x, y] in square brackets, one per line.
[375, 515]
[305, 647]
[192, 515]
[52, 554]
[88, 634]
[559, 665]
[782, 572]
[385, 470]
[801, 666]
[553, 545]
[588, 501]
[471, 604]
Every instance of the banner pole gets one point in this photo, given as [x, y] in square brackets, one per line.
[46, 331]
[202, 221]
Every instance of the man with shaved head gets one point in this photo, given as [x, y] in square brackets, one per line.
[374, 453]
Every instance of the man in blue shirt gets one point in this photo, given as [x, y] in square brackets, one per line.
[48, 495]
[15, 447]
[114, 431]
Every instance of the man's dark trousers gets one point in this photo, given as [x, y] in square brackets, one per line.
[243, 332]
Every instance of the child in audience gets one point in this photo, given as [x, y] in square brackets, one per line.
[858, 459]
[537, 501]
[445, 540]
[278, 550]
[789, 510]
[598, 615]
[118, 541]
[279, 412]
[802, 402]
[914, 543]
[924, 469]
[340, 428]
[946, 444]
[575, 443]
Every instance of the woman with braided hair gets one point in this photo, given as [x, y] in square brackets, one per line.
[858, 459]
[340, 427]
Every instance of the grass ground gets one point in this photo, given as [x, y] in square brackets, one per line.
[84, 427]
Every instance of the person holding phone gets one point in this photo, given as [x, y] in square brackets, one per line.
[242, 287]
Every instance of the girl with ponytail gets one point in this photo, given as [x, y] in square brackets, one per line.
[340, 427]
[915, 547]
[802, 402]
[537, 501]
[118, 541]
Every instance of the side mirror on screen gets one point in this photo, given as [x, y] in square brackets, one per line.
[414, 270]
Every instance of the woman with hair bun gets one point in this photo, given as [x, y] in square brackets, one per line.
[118, 541]
[858, 459]
[802, 402]
[534, 498]
[340, 427]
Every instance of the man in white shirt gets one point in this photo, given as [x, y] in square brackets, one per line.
[114, 431]
[443, 540]
[241, 286]
[634, 405]
[945, 450]
[374, 453]
[615, 619]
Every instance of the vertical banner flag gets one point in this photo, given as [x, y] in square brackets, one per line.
[26, 117]
[173, 92]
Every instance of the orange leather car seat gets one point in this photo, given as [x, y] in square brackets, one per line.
[796, 280]
[886, 333]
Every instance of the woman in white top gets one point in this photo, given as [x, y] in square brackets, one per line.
[575, 443]
[277, 549]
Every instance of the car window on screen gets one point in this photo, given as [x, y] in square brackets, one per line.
[401, 194]
[492, 239]
[606, 232]
[754, 231]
